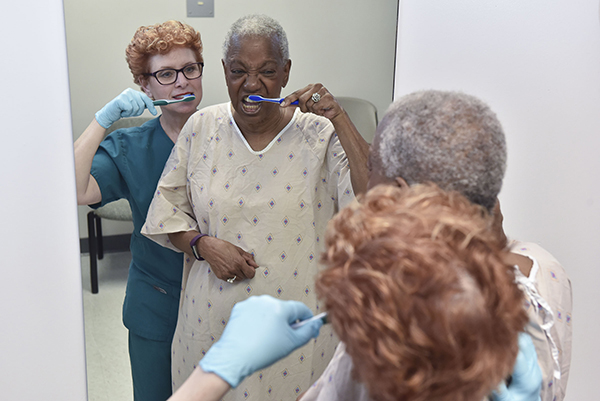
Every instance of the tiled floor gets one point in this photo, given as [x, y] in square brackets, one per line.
[108, 371]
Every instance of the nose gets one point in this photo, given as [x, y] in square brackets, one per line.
[181, 79]
[252, 82]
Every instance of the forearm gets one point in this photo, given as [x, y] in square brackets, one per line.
[85, 148]
[201, 386]
[181, 240]
[356, 148]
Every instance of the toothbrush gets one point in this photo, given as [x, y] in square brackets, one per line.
[258, 98]
[164, 102]
[322, 316]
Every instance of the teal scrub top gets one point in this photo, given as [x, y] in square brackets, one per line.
[128, 164]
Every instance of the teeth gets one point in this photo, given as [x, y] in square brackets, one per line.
[252, 106]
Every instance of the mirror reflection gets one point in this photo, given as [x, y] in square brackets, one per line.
[351, 62]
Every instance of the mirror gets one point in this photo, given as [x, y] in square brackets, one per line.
[348, 46]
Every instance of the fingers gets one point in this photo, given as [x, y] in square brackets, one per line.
[133, 103]
[316, 99]
[527, 374]
[501, 393]
[308, 331]
[526, 358]
[149, 104]
[526, 380]
[289, 99]
[295, 310]
[246, 271]
[236, 267]
[305, 100]
[249, 259]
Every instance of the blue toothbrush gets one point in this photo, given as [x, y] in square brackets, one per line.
[258, 98]
[164, 102]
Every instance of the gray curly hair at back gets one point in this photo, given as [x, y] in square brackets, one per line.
[261, 26]
[449, 138]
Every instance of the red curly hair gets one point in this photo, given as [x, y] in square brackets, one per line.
[159, 39]
[417, 289]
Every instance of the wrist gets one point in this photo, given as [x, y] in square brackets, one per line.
[340, 118]
[219, 361]
[194, 246]
[102, 119]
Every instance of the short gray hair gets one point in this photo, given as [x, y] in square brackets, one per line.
[261, 26]
[449, 138]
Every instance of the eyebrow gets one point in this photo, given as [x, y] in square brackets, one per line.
[173, 68]
[266, 63]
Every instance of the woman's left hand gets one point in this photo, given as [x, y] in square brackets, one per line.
[325, 106]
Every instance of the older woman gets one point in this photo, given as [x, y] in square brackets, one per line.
[247, 194]
[418, 289]
[456, 141]
[166, 61]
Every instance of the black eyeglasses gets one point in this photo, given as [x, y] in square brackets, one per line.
[168, 76]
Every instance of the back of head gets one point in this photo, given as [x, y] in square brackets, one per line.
[451, 139]
[159, 39]
[417, 288]
[257, 25]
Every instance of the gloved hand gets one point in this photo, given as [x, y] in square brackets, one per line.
[257, 335]
[526, 382]
[129, 103]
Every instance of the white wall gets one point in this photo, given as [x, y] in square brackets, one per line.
[537, 63]
[42, 344]
[347, 45]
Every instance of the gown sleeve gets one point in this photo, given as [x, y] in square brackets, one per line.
[338, 170]
[171, 208]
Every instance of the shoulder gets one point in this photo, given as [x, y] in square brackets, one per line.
[549, 267]
[315, 131]
[133, 133]
[213, 111]
[208, 119]
[313, 123]
[533, 250]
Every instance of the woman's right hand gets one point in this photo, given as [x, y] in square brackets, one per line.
[129, 103]
[227, 260]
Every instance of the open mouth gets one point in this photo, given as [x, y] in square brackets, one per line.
[178, 97]
[249, 106]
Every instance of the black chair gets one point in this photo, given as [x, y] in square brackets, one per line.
[117, 210]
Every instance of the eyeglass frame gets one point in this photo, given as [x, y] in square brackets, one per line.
[177, 71]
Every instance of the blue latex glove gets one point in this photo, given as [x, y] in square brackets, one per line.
[129, 103]
[258, 334]
[526, 382]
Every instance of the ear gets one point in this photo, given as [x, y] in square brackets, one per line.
[225, 72]
[286, 70]
[401, 183]
[146, 88]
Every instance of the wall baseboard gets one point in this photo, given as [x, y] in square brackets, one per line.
[112, 243]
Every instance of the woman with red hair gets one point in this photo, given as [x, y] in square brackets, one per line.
[419, 293]
[166, 62]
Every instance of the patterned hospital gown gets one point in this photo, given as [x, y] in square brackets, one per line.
[275, 204]
[549, 304]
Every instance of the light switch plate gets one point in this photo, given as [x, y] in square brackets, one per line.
[201, 8]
